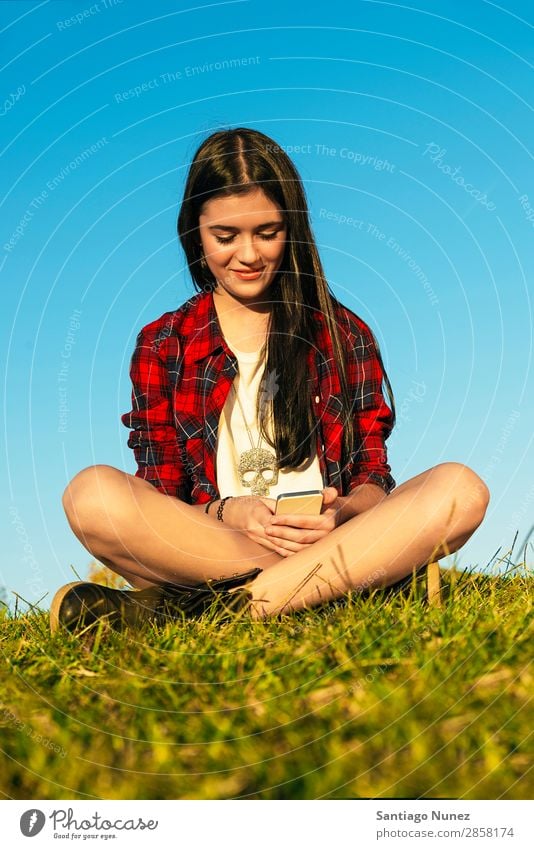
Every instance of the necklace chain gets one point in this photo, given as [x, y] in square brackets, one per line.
[256, 460]
[245, 421]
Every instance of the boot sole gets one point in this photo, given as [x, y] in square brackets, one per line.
[57, 601]
[132, 599]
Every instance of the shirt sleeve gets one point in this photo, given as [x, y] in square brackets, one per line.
[373, 419]
[153, 437]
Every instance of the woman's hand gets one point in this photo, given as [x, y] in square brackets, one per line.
[251, 515]
[296, 531]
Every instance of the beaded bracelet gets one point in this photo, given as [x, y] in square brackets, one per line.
[220, 508]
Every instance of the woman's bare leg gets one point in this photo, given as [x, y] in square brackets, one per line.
[429, 516]
[150, 538]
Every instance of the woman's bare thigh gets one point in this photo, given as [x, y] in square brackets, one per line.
[149, 536]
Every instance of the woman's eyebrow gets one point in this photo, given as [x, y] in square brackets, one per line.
[236, 229]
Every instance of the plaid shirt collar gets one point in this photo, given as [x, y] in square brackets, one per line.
[202, 329]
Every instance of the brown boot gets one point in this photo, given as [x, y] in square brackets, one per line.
[81, 604]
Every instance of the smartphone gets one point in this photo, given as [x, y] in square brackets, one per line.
[309, 502]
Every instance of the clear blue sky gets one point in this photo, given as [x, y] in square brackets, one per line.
[412, 129]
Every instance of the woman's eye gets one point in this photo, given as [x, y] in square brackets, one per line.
[265, 236]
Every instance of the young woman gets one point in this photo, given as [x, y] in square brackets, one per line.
[261, 384]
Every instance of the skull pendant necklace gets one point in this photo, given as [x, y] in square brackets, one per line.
[259, 464]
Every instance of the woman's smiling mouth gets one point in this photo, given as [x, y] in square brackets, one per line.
[248, 275]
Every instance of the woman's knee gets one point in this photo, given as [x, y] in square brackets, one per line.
[90, 498]
[470, 495]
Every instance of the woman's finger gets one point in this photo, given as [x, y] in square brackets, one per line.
[281, 545]
[296, 520]
[267, 543]
[286, 547]
[324, 523]
[304, 537]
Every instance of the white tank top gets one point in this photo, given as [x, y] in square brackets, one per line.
[233, 439]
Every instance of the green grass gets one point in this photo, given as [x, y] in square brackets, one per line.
[382, 696]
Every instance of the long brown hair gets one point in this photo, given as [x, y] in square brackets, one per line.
[232, 162]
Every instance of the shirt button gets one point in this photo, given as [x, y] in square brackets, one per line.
[317, 399]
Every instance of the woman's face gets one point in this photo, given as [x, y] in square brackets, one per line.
[243, 238]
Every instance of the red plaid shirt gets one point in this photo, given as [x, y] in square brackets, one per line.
[182, 371]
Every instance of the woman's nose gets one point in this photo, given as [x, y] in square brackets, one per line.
[247, 251]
